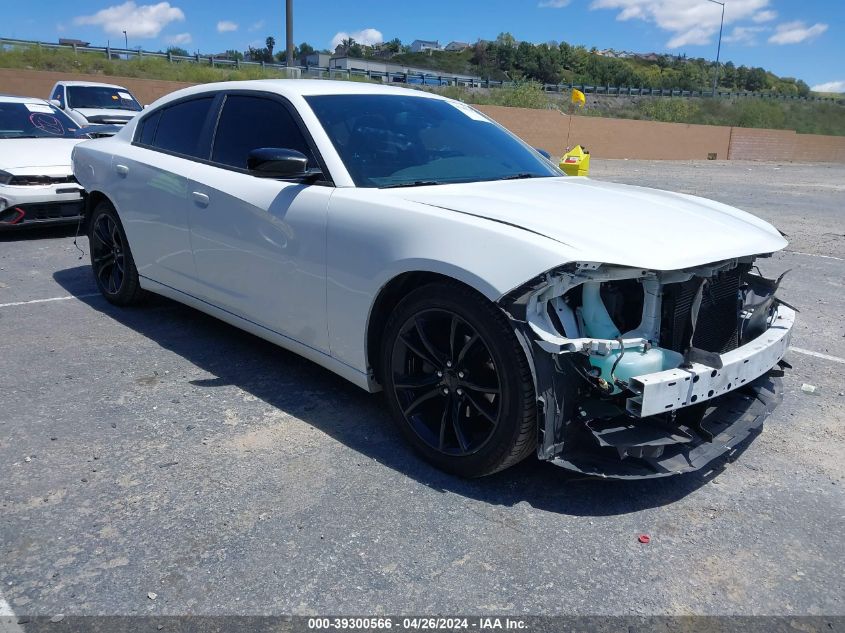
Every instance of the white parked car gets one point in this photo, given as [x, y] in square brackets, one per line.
[410, 244]
[88, 102]
[36, 182]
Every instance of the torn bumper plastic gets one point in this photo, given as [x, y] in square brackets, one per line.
[651, 449]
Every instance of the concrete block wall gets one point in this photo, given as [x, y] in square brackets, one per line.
[550, 129]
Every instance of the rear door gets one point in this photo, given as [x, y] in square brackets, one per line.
[152, 194]
[260, 244]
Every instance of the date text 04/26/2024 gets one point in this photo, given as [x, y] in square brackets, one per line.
[417, 623]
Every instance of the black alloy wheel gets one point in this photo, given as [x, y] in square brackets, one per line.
[111, 258]
[108, 254]
[446, 381]
[457, 381]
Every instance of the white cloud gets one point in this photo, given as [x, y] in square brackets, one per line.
[745, 35]
[830, 86]
[257, 25]
[553, 4]
[145, 21]
[179, 39]
[764, 16]
[367, 37]
[690, 22]
[225, 26]
[796, 32]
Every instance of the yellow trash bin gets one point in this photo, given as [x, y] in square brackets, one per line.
[576, 162]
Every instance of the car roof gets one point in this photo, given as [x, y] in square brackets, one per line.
[95, 84]
[300, 88]
[18, 99]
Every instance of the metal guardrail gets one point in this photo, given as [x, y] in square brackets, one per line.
[427, 79]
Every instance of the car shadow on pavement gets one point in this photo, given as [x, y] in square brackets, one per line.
[359, 420]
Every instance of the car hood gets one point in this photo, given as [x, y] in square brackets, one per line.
[608, 222]
[106, 115]
[26, 156]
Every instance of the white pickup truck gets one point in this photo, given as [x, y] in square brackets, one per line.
[88, 102]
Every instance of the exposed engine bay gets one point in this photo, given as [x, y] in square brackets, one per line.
[646, 373]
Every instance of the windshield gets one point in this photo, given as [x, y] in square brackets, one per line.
[398, 141]
[35, 120]
[101, 97]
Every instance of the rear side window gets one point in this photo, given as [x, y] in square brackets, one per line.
[248, 123]
[147, 132]
[180, 127]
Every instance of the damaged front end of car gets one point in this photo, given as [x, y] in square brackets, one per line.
[643, 373]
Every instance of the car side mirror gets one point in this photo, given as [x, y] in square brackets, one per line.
[277, 162]
[57, 103]
[544, 153]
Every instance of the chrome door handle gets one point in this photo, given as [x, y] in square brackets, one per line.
[121, 169]
[200, 198]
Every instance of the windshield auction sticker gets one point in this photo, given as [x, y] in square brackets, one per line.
[471, 112]
[38, 107]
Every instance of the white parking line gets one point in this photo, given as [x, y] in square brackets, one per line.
[839, 259]
[26, 303]
[809, 352]
[8, 619]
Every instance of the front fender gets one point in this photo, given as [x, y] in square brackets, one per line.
[372, 239]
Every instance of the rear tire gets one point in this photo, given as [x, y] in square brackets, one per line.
[111, 258]
[457, 381]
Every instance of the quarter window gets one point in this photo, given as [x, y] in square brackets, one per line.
[248, 123]
[180, 127]
[147, 132]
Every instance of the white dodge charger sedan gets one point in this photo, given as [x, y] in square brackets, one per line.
[36, 182]
[410, 244]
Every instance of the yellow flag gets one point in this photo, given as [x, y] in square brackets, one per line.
[579, 97]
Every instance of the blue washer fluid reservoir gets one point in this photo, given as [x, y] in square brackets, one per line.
[636, 361]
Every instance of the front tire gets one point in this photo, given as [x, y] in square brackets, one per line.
[457, 381]
[111, 259]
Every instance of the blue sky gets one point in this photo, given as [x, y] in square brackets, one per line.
[801, 39]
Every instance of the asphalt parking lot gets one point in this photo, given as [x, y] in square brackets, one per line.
[158, 452]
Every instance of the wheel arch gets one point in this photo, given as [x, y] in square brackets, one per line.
[92, 199]
[398, 287]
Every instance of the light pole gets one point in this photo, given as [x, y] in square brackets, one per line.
[289, 32]
[719, 47]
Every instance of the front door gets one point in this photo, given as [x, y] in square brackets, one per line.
[259, 244]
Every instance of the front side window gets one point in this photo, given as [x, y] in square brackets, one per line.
[35, 120]
[101, 97]
[398, 140]
[180, 126]
[248, 123]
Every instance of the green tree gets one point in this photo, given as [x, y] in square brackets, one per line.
[757, 80]
[177, 50]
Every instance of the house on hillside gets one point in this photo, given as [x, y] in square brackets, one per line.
[421, 46]
[456, 46]
[315, 59]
